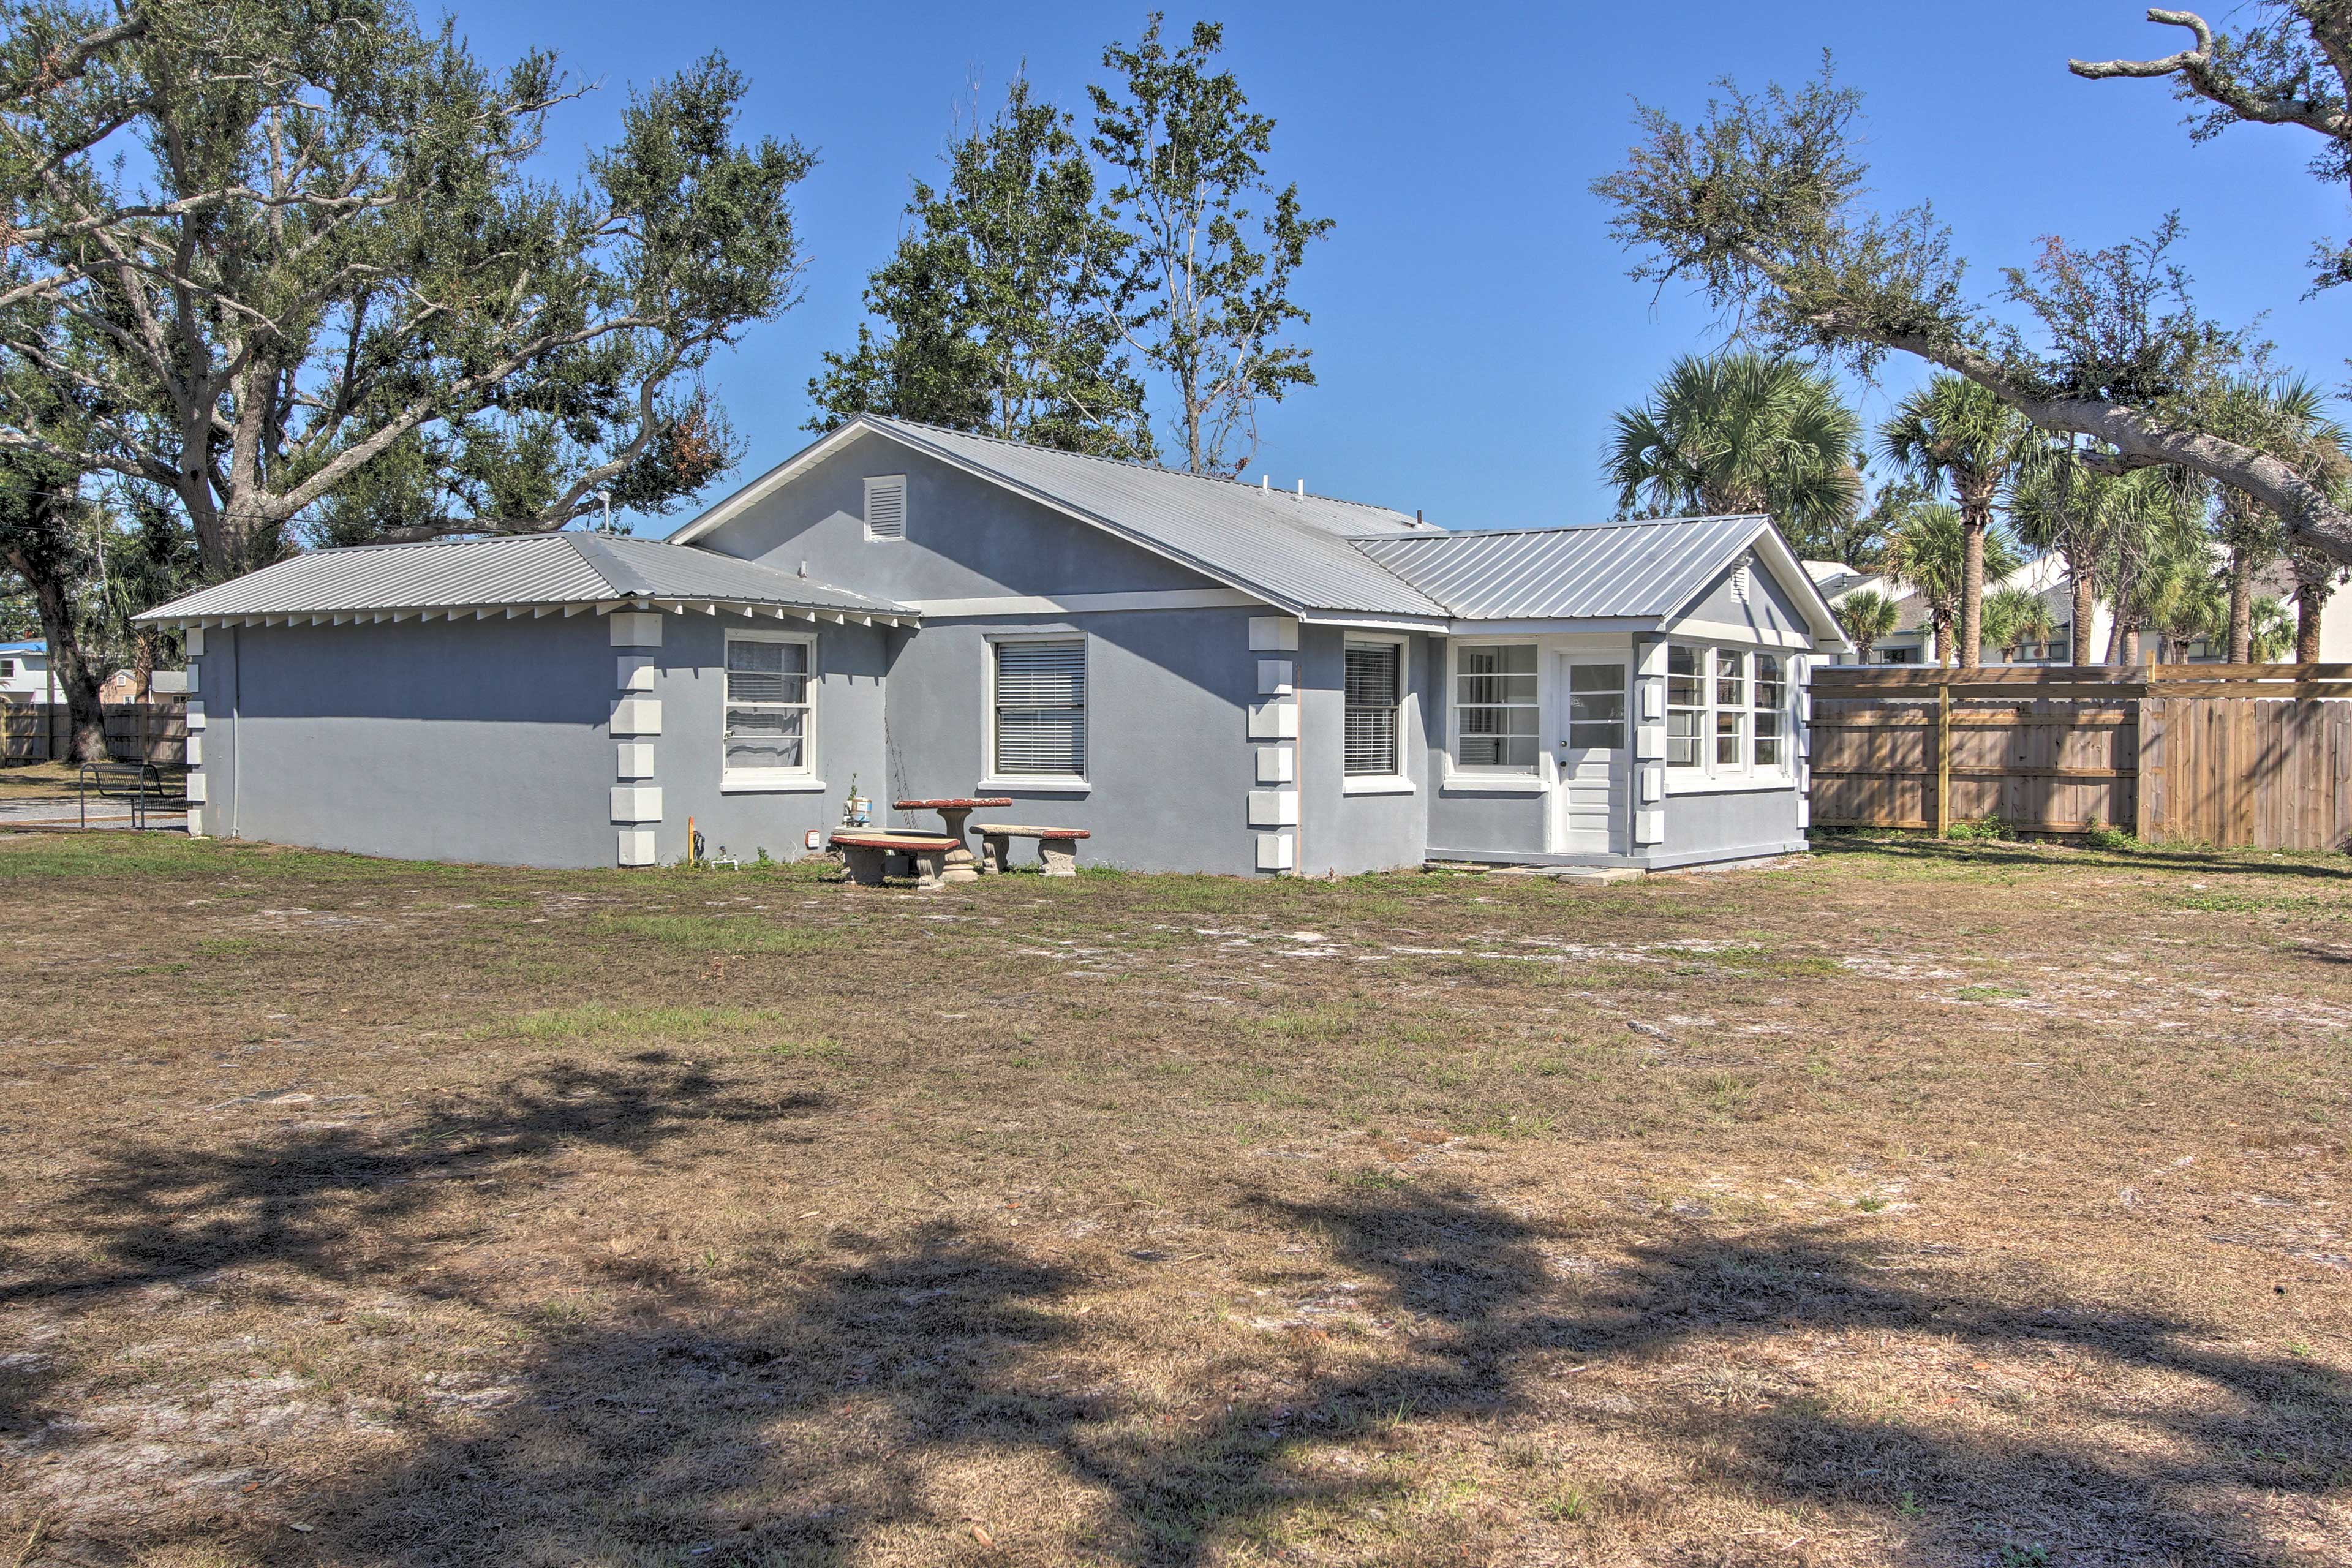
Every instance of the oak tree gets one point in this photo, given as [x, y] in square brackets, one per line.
[292, 257]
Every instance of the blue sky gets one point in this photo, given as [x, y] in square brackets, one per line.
[1474, 328]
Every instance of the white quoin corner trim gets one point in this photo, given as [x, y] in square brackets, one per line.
[636, 629]
[1272, 634]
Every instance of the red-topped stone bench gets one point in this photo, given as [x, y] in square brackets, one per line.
[868, 855]
[1057, 848]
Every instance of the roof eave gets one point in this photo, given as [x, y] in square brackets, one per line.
[755, 609]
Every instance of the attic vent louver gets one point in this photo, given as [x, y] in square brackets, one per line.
[886, 507]
[1739, 582]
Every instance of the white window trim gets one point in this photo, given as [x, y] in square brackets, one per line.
[1496, 780]
[745, 781]
[1707, 776]
[1052, 784]
[1400, 781]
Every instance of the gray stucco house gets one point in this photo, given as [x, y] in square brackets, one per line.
[1205, 674]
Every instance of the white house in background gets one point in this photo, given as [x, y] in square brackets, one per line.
[1914, 641]
[25, 672]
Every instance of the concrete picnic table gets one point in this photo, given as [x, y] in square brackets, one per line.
[955, 810]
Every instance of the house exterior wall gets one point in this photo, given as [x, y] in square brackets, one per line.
[1168, 764]
[1662, 826]
[1729, 825]
[847, 718]
[469, 740]
[1352, 826]
[25, 672]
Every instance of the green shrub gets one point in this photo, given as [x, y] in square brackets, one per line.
[1979, 828]
[2099, 836]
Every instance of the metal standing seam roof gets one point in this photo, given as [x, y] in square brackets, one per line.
[542, 569]
[1590, 572]
[1297, 550]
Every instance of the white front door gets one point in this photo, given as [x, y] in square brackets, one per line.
[1591, 729]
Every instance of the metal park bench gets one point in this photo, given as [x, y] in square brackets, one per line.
[138, 783]
[1057, 848]
[868, 855]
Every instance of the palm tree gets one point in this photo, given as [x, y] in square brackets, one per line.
[1867, 615]
[2056, 503]
[2273, 631]
[2316, 580]
[2187, 603]
[1952, 432]
[2284, 416]
[2015, 616]
[1931, 551]
[2154, 535]
[1741, 432]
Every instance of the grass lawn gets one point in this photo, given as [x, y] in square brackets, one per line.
[1911, 1203]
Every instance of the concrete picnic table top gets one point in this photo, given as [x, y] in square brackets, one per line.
[959, 803]
[896, 840]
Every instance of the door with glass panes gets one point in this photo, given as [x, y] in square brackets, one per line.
[1595, 742]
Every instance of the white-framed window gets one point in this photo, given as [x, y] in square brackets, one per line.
[7, 670]
[1686, 705]
[1373, 703]
[1728, 711]
[1037, 705]
[886, 506]
[770, 729]
[1771, 697]
[1497, 727]
[1596, 705]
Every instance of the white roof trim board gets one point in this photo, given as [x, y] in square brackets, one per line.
[1336, 561]
[517, 575]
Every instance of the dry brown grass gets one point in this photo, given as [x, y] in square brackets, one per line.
[1913, 1203]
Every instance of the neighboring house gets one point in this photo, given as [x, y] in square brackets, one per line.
[25, 672]
[1206, 675]
[1914, 641]
[122, 686]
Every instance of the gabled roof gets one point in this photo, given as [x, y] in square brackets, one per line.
[24, 647]
[1316, 556]
[537, 571]
[1602, 571]
[1296, 552]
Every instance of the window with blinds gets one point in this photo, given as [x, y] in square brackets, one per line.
[767, 707]
[886, 507]
[1041, 708]
[1375, 682]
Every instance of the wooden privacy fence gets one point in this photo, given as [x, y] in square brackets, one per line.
[153, 731]
[2203, 753]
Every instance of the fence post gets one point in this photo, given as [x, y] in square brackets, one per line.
[2148, 714]
[1944, 755]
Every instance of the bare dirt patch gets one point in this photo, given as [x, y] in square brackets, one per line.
[1910, 1204]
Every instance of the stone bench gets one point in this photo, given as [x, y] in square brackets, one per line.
[868, 855]
[1057, 848]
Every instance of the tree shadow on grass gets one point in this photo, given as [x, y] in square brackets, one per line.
[908, 1395]
[1921, 848]
[333, 1200]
